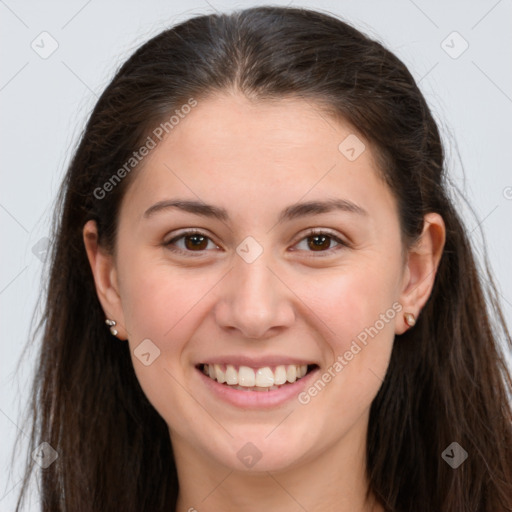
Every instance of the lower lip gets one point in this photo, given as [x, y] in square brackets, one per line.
[257, 399]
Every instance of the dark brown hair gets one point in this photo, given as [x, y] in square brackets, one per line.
[447, 379]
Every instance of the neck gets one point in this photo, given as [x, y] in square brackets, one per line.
[332, 480]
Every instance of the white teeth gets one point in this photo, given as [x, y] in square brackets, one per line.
[246, 377]
[219, 374]
[231, 375]
[280, 375]
[255, 379]
[264, 377]
[291, 373]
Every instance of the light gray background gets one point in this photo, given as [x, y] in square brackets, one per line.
[45, 102]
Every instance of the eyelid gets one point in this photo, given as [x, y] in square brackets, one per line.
[188, 231]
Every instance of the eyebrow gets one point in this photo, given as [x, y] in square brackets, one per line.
[291, 212]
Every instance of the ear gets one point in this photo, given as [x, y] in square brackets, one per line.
[421, 267]
[105, 278]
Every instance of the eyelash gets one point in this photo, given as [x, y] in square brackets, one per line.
[311, 233]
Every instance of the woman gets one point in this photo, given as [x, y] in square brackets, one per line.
[258, 212]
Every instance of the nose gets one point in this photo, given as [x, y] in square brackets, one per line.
[254, 300]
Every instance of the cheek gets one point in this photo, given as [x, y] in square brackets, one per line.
[162, 305]
[357, 310]
[165, 305]
[349, 300]
[160, 302]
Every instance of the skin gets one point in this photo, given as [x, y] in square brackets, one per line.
[255, 159]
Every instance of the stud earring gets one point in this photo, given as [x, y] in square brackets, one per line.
[410, 320]
[112, 323]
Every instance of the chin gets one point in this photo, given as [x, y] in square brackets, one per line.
[261, 449]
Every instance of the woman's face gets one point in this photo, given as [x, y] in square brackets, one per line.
[255, 289]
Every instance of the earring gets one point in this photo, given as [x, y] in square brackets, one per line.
[410, 320]
[112, 323]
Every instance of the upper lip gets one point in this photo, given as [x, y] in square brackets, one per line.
[256, 362]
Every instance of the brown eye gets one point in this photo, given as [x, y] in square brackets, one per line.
[319, 242]
[193, 242]
[190, 242]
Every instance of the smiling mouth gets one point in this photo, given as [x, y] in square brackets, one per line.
[245, 378]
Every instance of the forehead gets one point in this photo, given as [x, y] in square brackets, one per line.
[250, 155]
[270, 131]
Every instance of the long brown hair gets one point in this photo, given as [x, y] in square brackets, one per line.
[447, 380]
